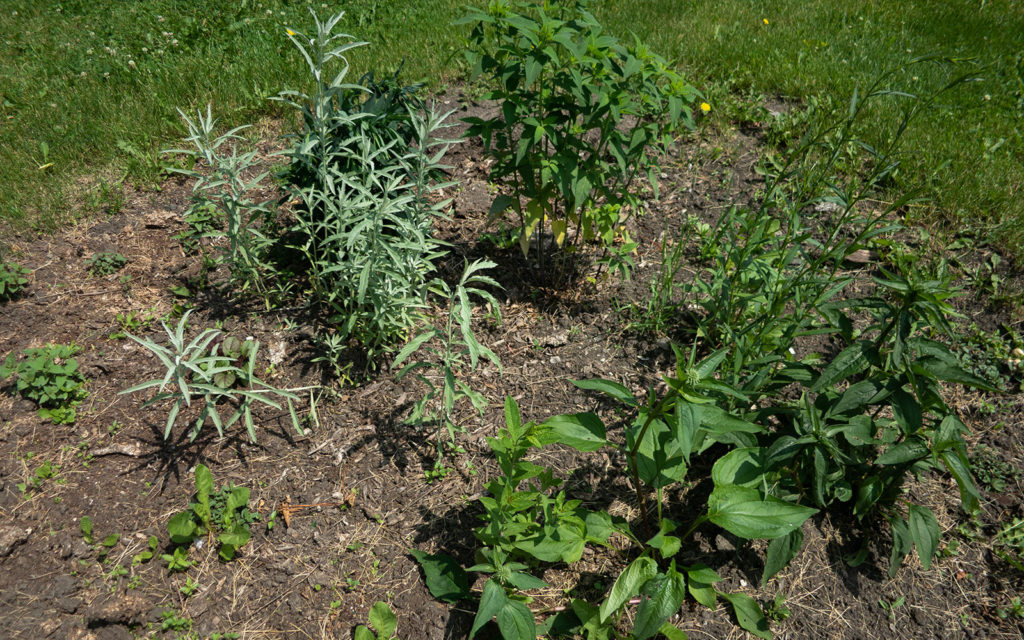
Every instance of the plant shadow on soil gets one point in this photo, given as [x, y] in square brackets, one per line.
[318, 576]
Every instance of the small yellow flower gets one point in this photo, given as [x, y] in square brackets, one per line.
[705, 107]
[289, 32]
[764, 20]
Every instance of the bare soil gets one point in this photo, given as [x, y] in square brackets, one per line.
[318, 576]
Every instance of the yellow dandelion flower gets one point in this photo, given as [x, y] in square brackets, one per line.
[705, 107]
[289, 32]
[764, 20]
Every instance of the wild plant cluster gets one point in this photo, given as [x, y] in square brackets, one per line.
[786, 432]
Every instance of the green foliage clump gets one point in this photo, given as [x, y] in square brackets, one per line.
[355, 240]
[362, 171]
[582, 116]
[48, 376]
[224, 512]
[104, 263]
[12, 280]
[449, 350]
[202, 369]
[383, 621]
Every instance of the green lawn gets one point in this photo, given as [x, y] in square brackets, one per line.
[89, 89]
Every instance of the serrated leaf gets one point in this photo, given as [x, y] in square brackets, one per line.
[656, 609]
[627, 585]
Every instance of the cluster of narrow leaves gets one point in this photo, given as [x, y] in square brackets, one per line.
[195, 369]
[450, 349]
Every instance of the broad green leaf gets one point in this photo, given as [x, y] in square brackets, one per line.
[608, 387]
[363, 633]
[904, 452]
[701, 579]
[949, 373]
[906, 411]
[182, 528]
[850, 361]
[744, 467]
[383, 619]
[627, 585]
[561, 545]
[748, 614]
[661, 602]
[742, 512]
[558, 228]
[446, 580]
[492, 601]
[581, 431]
[515, 621]
[902, 543]
[718, 422]
[204, 488]
[780, 551]
[525, 582]
[512, 419]
[856, 397]
[924, 530]
[687, 420]
[959, 468]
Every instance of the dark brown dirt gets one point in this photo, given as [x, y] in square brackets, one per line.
[317, 577]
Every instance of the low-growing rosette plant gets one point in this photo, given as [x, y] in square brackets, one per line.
[201, 369]
[50, 377]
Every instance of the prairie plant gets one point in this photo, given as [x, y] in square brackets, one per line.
[197, 370]
[582, 117]
[226, 190]
[449, 349]
[361, 171]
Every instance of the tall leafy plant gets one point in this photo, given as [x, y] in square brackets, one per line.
[582, 117]
[362, 171]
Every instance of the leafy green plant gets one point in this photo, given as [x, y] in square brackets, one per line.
[582, 115]
[12, 280]
[42, 473]
[48, 376]
[225, 190]
[362, 171]
[202, 220]
[197, 369]
[102, 547]
[224, 513]
[105, 263]
[383, 621]
[132, 321]
[447, 349]
[1015, 609]
[529, 519]
[1009, 543]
